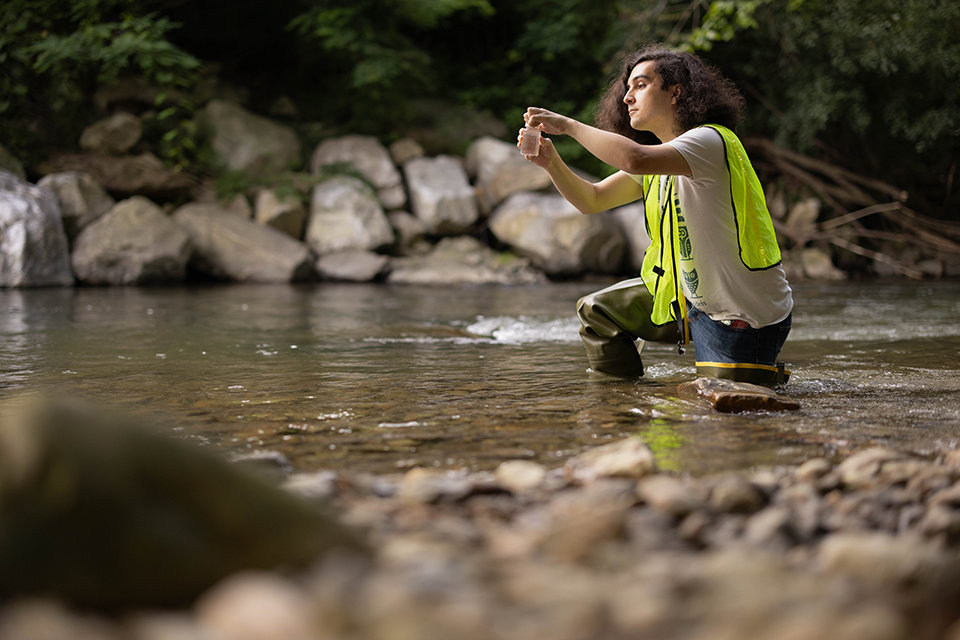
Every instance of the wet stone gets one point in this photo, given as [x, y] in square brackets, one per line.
[668, 495]
[728, 396]
[814, 469]
[862, 469]
[518, 476]
[630, 458]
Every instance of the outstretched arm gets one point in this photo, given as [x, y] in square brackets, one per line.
[586, 196]
[615, 150]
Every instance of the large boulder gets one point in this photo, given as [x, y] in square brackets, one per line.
[247, 142]
[370, 158]
[441, 195]
[103, 512]
[114, 135]
[229, 247]
[285, 213]
[346, 214]
[124, 176]
[500, 171]
[81, 198]
[557, 238]
[352, 265]
[133, 243]
[33, 245]
[463, 260]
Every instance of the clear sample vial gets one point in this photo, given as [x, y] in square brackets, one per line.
[530, 142]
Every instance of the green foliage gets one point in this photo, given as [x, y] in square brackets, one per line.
[54, 53]
[876, 82]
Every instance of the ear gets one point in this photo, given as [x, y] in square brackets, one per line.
[675, 91]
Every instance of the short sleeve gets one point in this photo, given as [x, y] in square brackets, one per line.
[702, 148]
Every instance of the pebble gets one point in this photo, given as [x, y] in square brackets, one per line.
[668, 494]
[734, 494]
[629, 458]
[256, 606]
[517, 476]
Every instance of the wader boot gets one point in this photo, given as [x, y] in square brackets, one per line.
[613, 319]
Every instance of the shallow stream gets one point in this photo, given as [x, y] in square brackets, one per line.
[381, 378]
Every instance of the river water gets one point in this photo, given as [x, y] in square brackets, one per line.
[381, 378]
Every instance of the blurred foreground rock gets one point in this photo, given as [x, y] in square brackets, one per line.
[102, 512]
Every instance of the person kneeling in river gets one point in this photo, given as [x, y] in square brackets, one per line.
[712, 273]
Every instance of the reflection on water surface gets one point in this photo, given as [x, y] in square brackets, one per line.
[381, 378]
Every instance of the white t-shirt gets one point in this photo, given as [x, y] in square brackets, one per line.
[713, 277]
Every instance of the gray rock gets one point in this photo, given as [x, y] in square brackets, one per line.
[441, 195]
[883, 560]
[352, 265]
[463, 260]
[287, 214]
[863, 468]
[240, 206]
[114, 135]
[257, 606]
[346, 214]
[556, 237]
[431, 485]
[82, 200]
[10, 163]
[813, 469]
[321, 485]
[629, 458]
[518, 476]
[124, 176]
[410, 231]
[668, 495]
[770, 529]
[368, 156]
[500, 171]
[233, 248]
[405, 149]
[247, 142]
[33, 244]
[733, 494]
[133, 243]
[632, 219]
[136, 519]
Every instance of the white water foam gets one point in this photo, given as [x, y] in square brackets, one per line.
[525, 330]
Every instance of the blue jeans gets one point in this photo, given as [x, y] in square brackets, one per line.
[717, 342]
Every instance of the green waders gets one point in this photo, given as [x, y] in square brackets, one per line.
[613, 319]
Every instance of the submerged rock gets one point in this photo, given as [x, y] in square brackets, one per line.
[728, 396]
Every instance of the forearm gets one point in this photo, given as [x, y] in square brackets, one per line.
[581, 193]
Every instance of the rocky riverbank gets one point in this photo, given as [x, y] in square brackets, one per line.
[356, 210]
[605, 546]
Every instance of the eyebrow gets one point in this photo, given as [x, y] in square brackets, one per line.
[642, 76]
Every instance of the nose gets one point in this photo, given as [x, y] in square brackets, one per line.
[628, 99]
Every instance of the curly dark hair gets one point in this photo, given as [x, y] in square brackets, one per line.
[707, 97]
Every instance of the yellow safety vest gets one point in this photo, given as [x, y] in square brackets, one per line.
[756, 237]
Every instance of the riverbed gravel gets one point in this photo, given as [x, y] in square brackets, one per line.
[863, 548]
